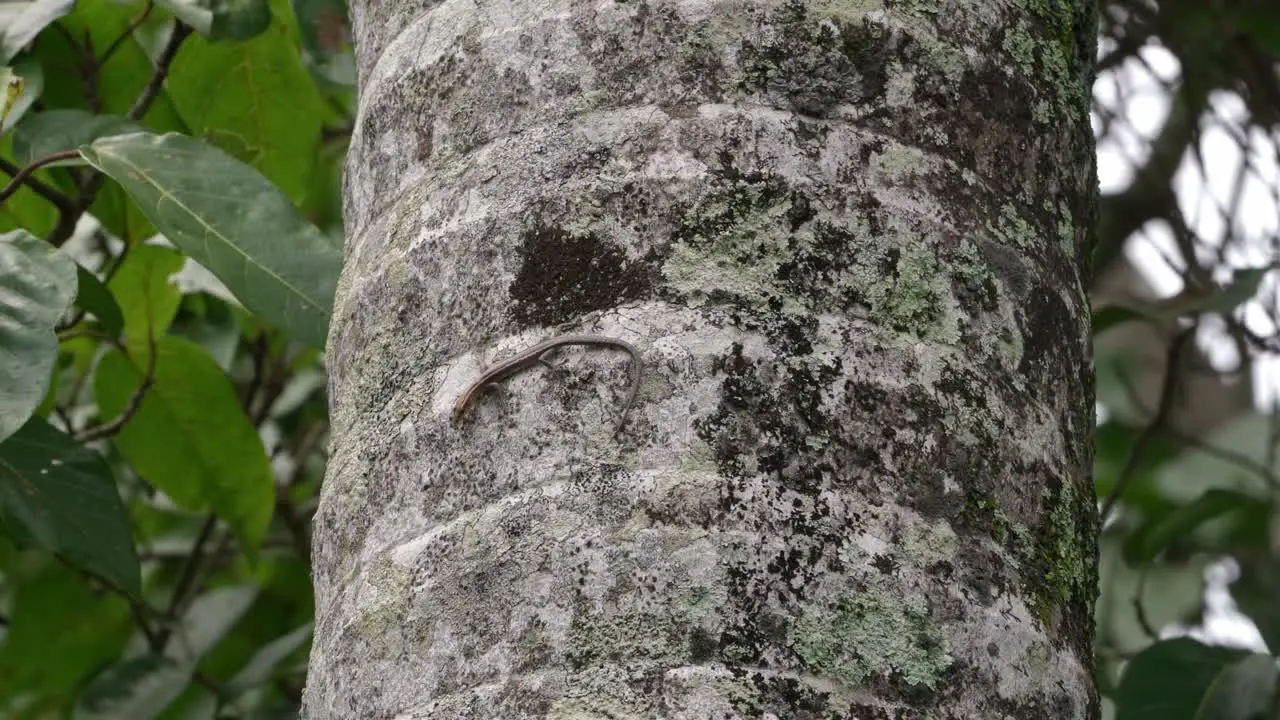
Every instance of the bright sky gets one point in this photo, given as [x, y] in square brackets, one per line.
[1138, 93]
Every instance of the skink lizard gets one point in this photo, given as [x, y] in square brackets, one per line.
[532, 356]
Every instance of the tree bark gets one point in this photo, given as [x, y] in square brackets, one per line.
[848, 241]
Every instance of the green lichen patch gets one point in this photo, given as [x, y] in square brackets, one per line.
[868, 635]
[799, 59]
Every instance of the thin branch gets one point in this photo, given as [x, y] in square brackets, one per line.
[188, 573]
[257, 353]
[1140, 610]
[111, 428]
[128, 32]
[21, 176]
[149, 93]
[55, 196]
[1172, 361]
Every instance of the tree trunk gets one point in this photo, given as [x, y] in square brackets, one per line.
[847, 241]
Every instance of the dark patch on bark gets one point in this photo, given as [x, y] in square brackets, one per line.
[1049, 329]
[801, 62]
[564, 276]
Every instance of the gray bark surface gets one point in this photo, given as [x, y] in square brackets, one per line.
[847, 240]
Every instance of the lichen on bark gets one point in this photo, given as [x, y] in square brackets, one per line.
[845, 237]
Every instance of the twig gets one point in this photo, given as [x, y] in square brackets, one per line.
[1157, 423]
[128, 32]
[21, 176]
[1140, 610]
[111, 428]
[55, 196]
[149, 93]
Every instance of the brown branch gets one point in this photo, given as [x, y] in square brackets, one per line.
[21, 176]
[55, 196]
[149, 93]
[89, 190]
[111, 428]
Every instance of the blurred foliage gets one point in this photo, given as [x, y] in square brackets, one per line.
[170, 248]
[162, 433]
[1187, 108]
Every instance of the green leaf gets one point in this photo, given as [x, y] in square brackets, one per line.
[143, 289]
[1255, 592]
[56, 130]
[267, 111]
[231, 220]
[22, 21]
[1150, 539]
[136, 689]
[222, 19]
[1112, 315]
[195, 703]
[1243, 691]
[208, 620]
[58, 495]
[1243, 286]
[1171, 679]
[259, 668]
[94, 297]
[99, 24]
[25, 210]
[189, 437]
[1260, 22]
[61, 630]
[27, 71]
[37, 284]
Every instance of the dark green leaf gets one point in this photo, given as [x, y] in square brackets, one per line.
[58, 495]
[189, 437]
[1112, 315]
[37, 284]
[53, 131]
[1244, 691]
[61, 629]
[1255, 592]
[96, 299]
[1151, 538]
[231, 220]
[98, 25]
[136, 689]
[267, 111]
[22, 21]
[1171, 679]
[1261, 22]
[222, 19]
